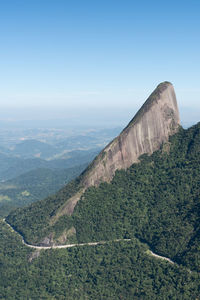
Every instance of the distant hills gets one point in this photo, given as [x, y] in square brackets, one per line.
[34, 185]
[155, 200]
[60, 152]
[32, 170]
[12, 167]
[144, 187]
[33, 148]
[27, 180]
[152, 126]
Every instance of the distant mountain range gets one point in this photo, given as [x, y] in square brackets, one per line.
[32, 170]
[12, 166]
[142, 191]
[152, 126]
[35, 185]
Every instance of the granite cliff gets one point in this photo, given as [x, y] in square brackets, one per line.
[48, 220]
[156, 120]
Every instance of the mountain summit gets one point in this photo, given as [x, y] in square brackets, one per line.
[152, 125]
[119, 230]
[156, 120]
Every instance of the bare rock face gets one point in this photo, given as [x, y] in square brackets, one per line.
[157, 119]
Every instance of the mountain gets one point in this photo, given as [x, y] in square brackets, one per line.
[152, 205]
[12, 166]
[90, 139]
[74, 158]
[33, 186]
[114, 271]
[24, 181]
[33, 148]
[154, 123]
[157, 119]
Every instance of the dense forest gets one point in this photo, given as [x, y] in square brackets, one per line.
[33, 186]
[121, 270]
[36, 178]
[156, 201]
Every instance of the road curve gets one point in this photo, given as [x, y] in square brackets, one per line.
[81, 244]
[161, 257]
[61, 246]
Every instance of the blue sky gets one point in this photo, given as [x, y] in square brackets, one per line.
[98, 54]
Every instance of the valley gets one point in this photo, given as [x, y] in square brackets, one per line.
[99, 150]
[33, 169]
[126, 228]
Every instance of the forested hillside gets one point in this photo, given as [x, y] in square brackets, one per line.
[156, 200]
[112, 271]
[12, 166]
[33, 186]
[36, 178]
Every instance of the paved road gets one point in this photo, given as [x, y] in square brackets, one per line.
[71, 245]
[161, 257]
[82, 244]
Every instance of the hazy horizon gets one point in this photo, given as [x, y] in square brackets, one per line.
[97, 55]
[71, 118]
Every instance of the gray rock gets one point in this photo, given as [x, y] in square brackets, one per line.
[157, 119]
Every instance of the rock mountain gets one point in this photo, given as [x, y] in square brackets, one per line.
[156, 120]
[152, 125]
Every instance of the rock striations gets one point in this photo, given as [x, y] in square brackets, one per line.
[156, 120]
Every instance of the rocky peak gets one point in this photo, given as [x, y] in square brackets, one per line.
[152, 125]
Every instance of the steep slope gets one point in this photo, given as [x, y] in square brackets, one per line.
[33, 186]
[156, 200]
[157, 119]
[113, 271]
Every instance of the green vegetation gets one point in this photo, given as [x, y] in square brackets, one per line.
[156, 200]
[33, 186]
[13, 166]
[26, 178]
[113, 271]
[37, 216]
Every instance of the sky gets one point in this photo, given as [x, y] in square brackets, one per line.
[98, 59]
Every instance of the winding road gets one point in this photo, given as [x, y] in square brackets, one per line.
[82, 244]
[161, 257]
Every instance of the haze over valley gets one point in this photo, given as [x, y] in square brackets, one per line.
[99, 150]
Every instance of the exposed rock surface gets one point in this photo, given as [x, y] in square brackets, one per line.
[157, 119]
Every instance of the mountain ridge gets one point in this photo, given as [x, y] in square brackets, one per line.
[155, 203]
[147, 137]
[154, 123]
[156, 120]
